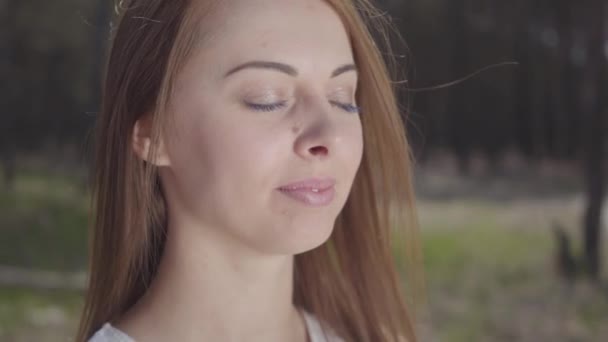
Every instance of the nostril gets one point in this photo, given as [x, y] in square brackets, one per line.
[319, 150]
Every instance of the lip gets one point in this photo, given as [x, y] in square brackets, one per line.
[310, 183]
[312, 192]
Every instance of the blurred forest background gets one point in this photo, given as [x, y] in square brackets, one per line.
[511, 166]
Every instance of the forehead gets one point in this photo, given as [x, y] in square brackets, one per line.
[305, 33]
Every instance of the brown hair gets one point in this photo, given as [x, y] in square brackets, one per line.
[350, 283]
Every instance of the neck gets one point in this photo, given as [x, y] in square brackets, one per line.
[205, 291]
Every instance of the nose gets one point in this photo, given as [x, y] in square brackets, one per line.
[318, 134]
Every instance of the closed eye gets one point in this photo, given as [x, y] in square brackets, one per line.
[261, 107]
[270, 107]
[348, 107]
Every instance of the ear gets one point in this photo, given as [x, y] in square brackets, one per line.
[142, 142]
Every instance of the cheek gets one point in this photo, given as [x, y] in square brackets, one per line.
[229, 151]
[247, 150]
[355, 145]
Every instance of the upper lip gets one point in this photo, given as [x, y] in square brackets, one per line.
[310, 183]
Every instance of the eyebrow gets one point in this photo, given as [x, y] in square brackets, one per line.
[285, 68]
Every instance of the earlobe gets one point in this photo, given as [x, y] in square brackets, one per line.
[142, 143]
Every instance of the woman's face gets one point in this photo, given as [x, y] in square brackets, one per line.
[267, 100]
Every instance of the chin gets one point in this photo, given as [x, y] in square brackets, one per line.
[300, 239]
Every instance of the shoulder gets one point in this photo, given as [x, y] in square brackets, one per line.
[316, 332]
[108, 333]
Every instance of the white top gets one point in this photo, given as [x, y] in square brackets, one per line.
[109, 333]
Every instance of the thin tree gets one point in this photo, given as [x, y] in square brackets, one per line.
[594, 108]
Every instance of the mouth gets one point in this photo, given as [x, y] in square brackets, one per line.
[314, 192]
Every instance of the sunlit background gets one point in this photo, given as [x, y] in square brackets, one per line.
[508, 109]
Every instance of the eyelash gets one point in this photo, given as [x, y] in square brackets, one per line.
[347, 107]
[351, 108]
[265, 107]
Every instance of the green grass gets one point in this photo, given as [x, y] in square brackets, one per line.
[491, 277]
[43, 225]
[469, 265]
[43, 222]
[26, 312]
[482, 247]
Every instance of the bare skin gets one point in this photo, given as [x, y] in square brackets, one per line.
[227, 270]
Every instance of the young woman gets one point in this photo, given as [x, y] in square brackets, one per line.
[252, 177]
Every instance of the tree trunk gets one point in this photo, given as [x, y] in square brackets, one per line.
[594, 108]
[9, 98]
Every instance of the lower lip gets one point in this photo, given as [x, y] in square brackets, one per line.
[311, 198]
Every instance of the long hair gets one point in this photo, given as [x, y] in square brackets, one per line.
[351, 283]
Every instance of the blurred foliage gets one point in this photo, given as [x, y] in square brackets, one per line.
[47, 72]
[44, 223]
